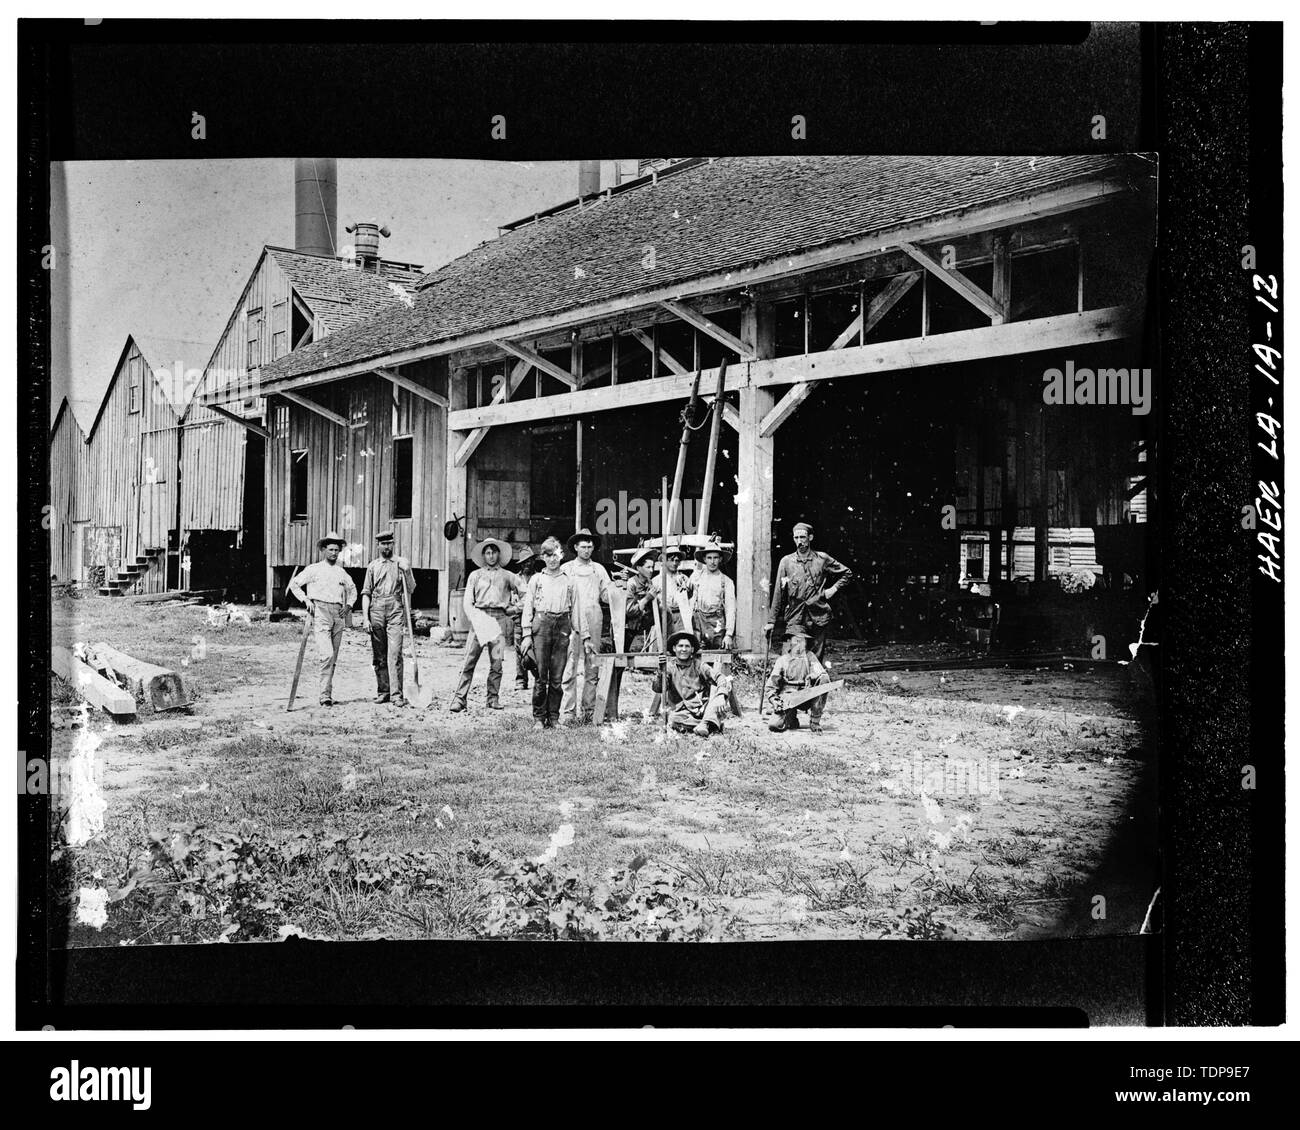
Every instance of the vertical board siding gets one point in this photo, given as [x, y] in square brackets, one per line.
[350, 474]
[132, 459]
[71, 493]
[214, 447]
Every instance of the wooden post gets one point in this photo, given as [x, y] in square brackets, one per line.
[756, 457]
[1001, 278]
[457, 496]
[754, 518]
[577, 477]
[1041, 515]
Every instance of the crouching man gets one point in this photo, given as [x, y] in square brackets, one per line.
[697, 700]
[796, 670]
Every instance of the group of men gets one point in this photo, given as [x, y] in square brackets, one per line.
[551, 611]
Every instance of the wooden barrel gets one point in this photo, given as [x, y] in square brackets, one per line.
[457, 620]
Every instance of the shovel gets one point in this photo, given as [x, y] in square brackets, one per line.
[297, 670]
[416, 695]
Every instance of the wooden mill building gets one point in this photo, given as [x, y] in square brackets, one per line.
[887, 323]
[123, 535]
[71, 494]
[290, 299]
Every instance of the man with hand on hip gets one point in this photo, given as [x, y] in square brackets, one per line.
[328, 592]
[383, 615]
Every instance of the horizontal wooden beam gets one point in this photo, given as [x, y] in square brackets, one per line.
[1023, 208]
[708, 326]
[235, 417]
[475, 437]
[1057, 332]
[865, 322]
[983, 302]
[312, 406]
[413, 387]
[539, 362]
[1061, 331]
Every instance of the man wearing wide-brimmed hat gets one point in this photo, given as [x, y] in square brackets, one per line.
[383, 615]
[796, 670]
[328, 592]
[693, 695]
[802, 594]
[713, 598]
[678, 584]
[524, 565]
[640, 597]
[488, 592]
[592, 582]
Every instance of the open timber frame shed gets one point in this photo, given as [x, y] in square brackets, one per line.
[797, 271]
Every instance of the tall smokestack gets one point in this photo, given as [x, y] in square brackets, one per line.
[588, 178]
[315, 205]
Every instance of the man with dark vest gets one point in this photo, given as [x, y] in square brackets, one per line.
[383, 615]
[806, 581]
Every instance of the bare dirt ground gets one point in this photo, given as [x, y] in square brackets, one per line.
[975, 804]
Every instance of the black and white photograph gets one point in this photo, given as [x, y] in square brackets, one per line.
[681, 549]
[800, 504]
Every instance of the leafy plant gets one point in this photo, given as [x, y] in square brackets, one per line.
[532, 900]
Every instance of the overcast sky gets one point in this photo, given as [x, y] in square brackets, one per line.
[165, 247]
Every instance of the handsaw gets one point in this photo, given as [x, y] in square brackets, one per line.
[791, 699]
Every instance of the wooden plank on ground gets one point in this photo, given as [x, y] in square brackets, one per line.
[160, 688]
[90, 684]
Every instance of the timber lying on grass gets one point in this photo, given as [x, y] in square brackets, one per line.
[157, 687]
[205, 596]
[90, 684]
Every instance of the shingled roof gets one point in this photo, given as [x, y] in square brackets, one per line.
[712, 216]
[340, 293]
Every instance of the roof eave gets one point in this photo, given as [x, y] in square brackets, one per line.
[1075, 194]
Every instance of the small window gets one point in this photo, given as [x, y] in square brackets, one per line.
[279, 330]
[402, 476]
[254, 356]
[297, 486]
[133, 396]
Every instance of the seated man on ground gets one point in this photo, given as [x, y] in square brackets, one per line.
[796, 670]
[696, 698]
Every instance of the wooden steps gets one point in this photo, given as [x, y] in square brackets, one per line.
[129, 575]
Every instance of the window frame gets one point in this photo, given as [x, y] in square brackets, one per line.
[410, 500]
[299, 455]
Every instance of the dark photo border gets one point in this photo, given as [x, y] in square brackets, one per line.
[1205, 98]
